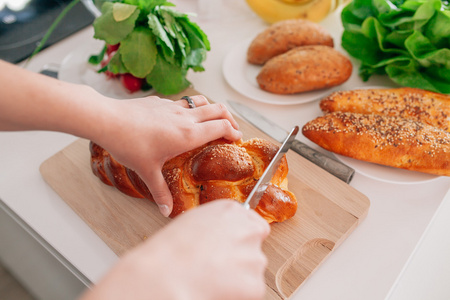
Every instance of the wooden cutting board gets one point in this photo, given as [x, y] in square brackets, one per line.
[328, 211]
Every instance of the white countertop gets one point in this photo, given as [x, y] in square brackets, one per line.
[427, 271]
[365, 266]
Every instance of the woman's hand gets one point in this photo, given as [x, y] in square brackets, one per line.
[143, 134]
[210, 252]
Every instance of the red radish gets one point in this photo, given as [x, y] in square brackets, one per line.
[131, 83]
[105, 61]
[111, 48]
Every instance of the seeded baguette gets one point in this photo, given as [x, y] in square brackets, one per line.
[386, 140]
[411, 103]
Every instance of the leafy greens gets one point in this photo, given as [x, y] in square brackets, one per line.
[157, 42]
[409, 40]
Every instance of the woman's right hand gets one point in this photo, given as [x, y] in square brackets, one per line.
[210, 252]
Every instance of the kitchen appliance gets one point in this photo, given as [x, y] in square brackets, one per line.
[23, 23]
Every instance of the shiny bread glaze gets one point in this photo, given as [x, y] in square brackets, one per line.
[216, 170]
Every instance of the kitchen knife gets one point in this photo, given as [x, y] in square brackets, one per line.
[261, 186]
[332, 166]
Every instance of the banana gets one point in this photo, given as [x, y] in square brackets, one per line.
[295, 1]
[273, 11]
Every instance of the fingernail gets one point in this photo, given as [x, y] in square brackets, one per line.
[164, 209]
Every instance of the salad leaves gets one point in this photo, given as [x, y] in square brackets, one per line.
[156, 42]
[408, 40]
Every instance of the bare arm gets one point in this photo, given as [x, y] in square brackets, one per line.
[211, 252]
[140, 133]
[31, 101]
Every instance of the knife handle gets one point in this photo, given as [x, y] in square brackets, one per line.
[332, 166]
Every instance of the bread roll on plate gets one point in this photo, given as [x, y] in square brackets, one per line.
[410, 103]
[303, 69]
[284, 36]
[386, 140]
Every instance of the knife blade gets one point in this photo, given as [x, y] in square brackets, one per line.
[332, 166]
[261, 186]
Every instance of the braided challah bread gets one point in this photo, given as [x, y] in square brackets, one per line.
[216, 170]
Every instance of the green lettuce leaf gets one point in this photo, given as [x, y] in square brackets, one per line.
[108, 29]
[95, 59]
[158, 30]
[148, 5]
[116, 65]
[422, 50]
[138, 52]
[407, 40]
[167, 78]
[156, 42]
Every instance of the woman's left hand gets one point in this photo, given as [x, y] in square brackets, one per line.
[144, 133]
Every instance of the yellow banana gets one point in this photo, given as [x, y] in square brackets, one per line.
[295, 1]
[273, 11]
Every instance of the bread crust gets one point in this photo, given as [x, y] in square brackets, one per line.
[386, 140]
[304, 69]
[284, 36]
[410, 103]
[216, 170]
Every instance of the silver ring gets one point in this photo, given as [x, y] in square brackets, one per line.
[189, 101]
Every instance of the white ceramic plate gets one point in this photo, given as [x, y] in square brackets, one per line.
[242, 77]
[76, 69]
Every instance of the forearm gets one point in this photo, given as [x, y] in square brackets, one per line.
[141, 133]
[30, 101]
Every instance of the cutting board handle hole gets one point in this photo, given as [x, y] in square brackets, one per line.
[301, 264]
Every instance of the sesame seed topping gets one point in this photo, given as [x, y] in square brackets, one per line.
[384, 130]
